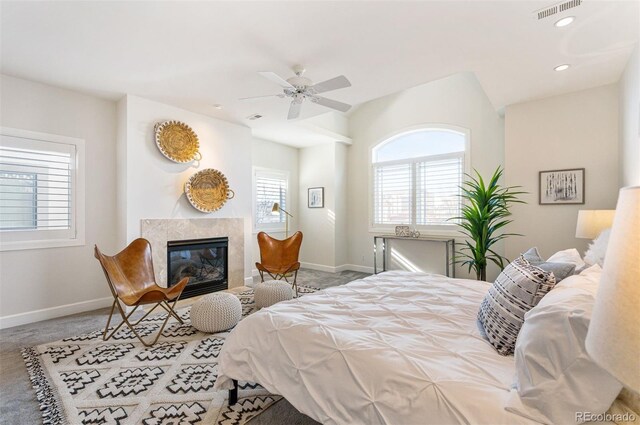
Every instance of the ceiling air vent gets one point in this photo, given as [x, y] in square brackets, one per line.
[557, 8]
[254, 117]
[569, 4]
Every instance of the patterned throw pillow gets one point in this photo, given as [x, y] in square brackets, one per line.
[518, 288]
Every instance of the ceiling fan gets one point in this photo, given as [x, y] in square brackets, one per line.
[299, 89]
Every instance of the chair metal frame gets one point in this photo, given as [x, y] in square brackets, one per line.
[125, 319]
[280, 276]
[168, 304]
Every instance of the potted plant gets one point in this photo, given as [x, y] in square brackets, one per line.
[484, 213]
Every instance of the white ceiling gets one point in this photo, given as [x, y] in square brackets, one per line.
[196, 54]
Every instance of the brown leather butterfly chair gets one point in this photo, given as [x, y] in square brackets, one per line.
[132, 281]
[279, 258]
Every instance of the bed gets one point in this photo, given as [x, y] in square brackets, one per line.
[394, 348]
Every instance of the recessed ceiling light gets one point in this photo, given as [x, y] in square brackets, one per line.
[565, 21]
[217, 106]
[561, 67]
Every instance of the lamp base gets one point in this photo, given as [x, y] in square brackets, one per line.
[629, 400]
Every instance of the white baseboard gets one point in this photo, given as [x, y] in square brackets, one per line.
[53, 312]
[357, 268]
[338, 269]
[319, 267]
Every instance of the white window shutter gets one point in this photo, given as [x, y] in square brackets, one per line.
[438, 190]
[35, 189]
[271, 186]
[392, 192]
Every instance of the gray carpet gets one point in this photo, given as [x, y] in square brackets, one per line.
[18, 404]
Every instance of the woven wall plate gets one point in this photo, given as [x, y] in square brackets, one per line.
[208, 190]
[177, 141]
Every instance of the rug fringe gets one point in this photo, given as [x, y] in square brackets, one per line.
[51, 413]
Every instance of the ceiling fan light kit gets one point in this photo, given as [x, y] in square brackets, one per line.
[300, 88]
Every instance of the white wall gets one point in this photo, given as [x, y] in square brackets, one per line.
[317, 165]
[276, 156]
[629, 94]
[155, 186]
[341, 205]
[576, 130]
[121, 172]
[456, 100]
[52, 279]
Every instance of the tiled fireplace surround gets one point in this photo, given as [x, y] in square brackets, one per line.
[159, 231]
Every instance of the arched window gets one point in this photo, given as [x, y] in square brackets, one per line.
[417, 176]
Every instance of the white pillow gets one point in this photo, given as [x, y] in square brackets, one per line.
[592, 273]
[570, 255]
[597, 249]
[555, 378]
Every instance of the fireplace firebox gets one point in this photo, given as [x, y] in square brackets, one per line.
[204, 261]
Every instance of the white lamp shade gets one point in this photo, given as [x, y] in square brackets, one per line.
[613, 339]
[592, 222]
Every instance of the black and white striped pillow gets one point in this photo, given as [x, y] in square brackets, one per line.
[518, 288]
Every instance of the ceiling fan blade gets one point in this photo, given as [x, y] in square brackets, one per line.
[332, 84]
[261, 97]
[272, 76]
[329, 103]
[294, 110]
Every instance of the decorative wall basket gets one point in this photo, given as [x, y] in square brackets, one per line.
[177, 141]
[208, 190]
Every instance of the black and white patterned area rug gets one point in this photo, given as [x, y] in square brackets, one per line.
[85, 380]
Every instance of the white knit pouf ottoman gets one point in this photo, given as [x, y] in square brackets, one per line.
[272, 291]
[216, 312]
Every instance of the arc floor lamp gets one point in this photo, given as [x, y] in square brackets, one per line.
[276, 210]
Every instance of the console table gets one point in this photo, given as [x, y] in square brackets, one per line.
[449, 246]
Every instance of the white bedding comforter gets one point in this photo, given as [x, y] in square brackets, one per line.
[396, 348]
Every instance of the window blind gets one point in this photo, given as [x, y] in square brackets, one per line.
[420, 192]
[392, 194]
[270, 187]
[35, 189]
[438, 190]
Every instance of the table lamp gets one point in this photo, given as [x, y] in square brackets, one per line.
[613, 339]
[592, 222]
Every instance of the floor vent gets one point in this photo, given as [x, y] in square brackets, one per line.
[254, 117]
[557, 8]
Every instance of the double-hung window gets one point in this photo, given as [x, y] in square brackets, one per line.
[270, 187]
[416, 178]
[41, 190]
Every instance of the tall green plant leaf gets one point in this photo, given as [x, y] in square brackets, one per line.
[482, 218]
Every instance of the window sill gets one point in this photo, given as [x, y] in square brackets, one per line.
[39, 244]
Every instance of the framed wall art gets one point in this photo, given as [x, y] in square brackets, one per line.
[315, 197]
[558, 187]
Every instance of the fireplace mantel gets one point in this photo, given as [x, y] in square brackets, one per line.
[159, 231]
